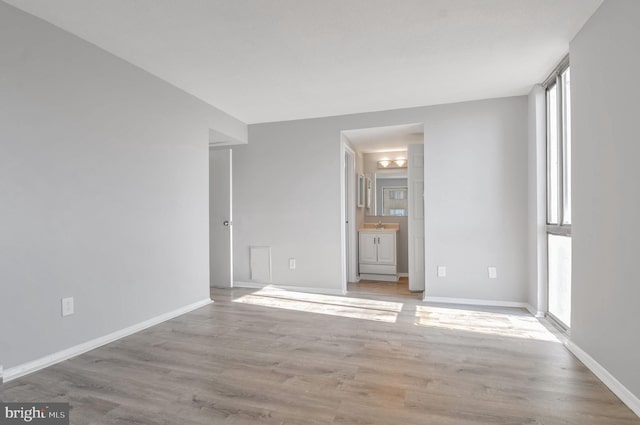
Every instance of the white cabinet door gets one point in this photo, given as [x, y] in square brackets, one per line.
[387, 248]
[368, 248]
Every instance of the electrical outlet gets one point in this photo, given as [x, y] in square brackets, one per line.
[292, 263]
[493, 272]
[67, 306]
[442, 271]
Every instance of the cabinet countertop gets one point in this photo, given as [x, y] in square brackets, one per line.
[370, 230]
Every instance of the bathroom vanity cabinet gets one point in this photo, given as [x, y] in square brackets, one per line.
[377, 252]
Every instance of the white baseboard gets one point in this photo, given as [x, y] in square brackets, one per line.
[607, 378]
[380, 277]
[534, 312]
[51, 359]
[255, 285]
[470, 301]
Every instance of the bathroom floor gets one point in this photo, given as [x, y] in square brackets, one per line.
[399, 288]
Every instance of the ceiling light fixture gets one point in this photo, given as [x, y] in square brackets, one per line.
[392, 163]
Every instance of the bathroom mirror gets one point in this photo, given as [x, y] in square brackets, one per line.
[386, 194]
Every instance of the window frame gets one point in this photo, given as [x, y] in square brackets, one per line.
[556, 80]
[560, 228]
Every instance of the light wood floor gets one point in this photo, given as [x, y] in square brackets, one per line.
[274, 357]
[373, 287]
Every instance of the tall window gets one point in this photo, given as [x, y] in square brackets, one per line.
[558, 92]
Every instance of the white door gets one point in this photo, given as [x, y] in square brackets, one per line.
[368, 248]
[220, 224]
[387, 248]
[415, 171]
[350, 215]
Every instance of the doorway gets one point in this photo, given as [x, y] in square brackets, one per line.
[382, 178]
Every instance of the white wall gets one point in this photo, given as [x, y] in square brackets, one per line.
[103, 189]
[606, 202]
[287, 195]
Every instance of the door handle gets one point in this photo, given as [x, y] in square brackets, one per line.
[226, 223]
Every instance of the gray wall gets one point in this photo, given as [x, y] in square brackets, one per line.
[476, 199]
[103, 188]
[606, 202]
[287, 195]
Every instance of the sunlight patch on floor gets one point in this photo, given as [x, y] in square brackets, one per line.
[499, 324]
[354, 308]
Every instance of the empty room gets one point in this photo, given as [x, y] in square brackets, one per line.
[319, 212]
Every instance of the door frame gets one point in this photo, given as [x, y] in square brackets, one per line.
[350, 255]
[349, 244]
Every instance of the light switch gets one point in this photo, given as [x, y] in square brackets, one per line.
[442, 271]
[292, 263]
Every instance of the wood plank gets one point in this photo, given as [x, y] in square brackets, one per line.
[276, 361]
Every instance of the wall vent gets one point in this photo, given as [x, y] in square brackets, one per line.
[260, 263]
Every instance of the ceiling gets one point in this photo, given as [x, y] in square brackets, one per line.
[273, 60]
[385, 139]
